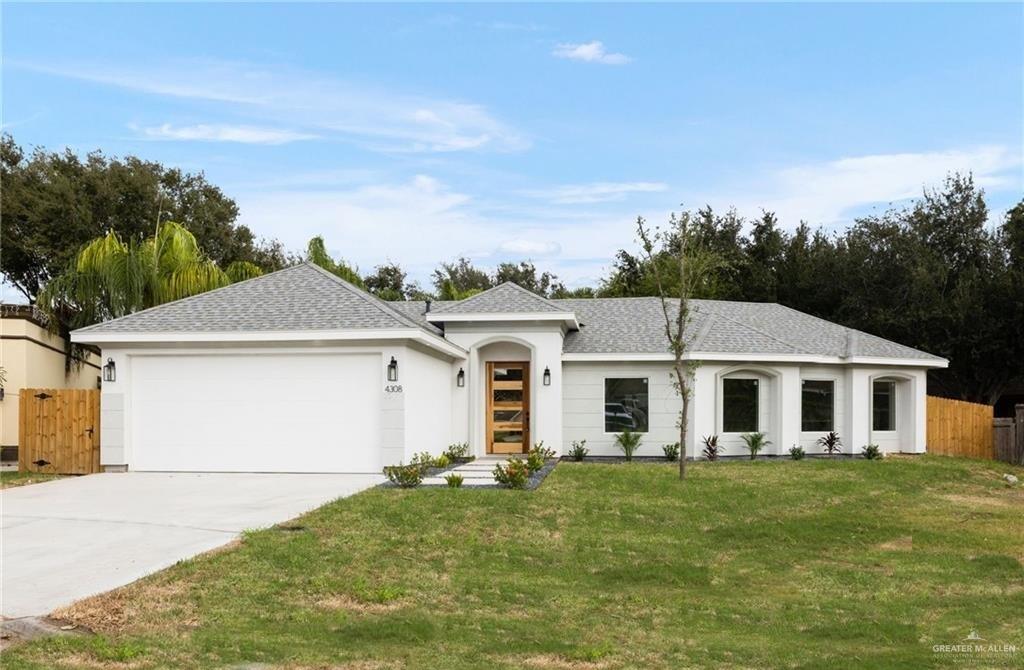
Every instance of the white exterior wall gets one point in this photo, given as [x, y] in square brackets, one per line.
[490, 341]
[583, 402]
[428, 383]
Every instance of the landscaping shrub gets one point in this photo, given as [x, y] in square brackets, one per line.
[454, 480]
[796, 453]
[442, 462]
[579, 450]
[755, 442]
[534, 461]
[629, 442]
[671, 451]
[831, 443]
[406, 476]
[457, 451]
[540, 450]
[872, 452]
[423, 460]
[711, 450]
[513, 474]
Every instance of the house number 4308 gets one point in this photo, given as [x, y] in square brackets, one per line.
[393, 388]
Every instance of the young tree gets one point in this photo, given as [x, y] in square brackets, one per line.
[525, 274]
[459, 280]
[692, 266]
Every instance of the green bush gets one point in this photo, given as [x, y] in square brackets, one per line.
[755, 442]
[629, 442]
[457, 451]
[872, 452]
[513, 474]
[442, 462]
[406, 476]
[579, 450]
[539, 449]
[796, 453]
[454, 480]
[423, 460]
[671, 451]
[711, 450]
[534, 461]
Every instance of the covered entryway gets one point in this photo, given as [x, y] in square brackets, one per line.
[508, 407]
[263, 412]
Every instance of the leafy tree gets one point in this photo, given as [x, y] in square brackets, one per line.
[316, 252]
[388, 282]
[460, 280]
[110, 277]
[54, 203]
[525, 275]
[581, 292]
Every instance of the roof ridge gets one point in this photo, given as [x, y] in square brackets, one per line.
[193, 297]
[511, 284]
[367, 297]
[764, 333]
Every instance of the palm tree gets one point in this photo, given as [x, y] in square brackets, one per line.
[109, 278]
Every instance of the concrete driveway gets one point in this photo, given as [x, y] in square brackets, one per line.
[70, 538]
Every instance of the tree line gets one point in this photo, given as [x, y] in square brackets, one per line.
[935, 275]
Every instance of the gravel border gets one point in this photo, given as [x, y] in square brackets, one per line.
[691, 459]
[533, 482]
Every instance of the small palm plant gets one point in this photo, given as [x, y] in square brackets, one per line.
[629, 442]
[755, 442]
[831, 443]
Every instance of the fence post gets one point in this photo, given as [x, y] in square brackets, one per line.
[1019, 430]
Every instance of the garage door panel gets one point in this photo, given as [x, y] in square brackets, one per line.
[256, 413]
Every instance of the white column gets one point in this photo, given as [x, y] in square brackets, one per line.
[788, 397]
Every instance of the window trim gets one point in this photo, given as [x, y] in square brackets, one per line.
[757, 416]
[895, 405]
[835, 383]
[604, 401]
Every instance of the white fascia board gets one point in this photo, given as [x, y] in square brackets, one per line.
[432, 341]
[759, 358]
[569, 318]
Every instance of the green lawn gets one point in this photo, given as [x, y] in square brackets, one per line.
[12, 478]
[810, 564]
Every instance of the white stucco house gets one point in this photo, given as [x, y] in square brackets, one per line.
[299, 371]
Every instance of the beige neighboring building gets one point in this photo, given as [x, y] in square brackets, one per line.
[32, 357]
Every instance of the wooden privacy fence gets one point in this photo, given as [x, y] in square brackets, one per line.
[959, 428]
[59, 431]
[1008, 438]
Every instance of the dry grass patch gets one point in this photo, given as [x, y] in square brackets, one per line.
[556, 662]
[899, 544]
[141, 607]
[342, 601]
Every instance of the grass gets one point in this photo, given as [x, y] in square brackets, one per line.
[810, 564]
[12, 478]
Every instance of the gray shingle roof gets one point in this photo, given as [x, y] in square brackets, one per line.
[301, 297]
[636, 325]
[507, 298]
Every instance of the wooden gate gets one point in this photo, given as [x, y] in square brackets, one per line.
[959, 428]
[59, 431]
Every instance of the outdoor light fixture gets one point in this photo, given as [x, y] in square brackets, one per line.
[393, 370]
[110, 371]
[460, 379]
[547, 376]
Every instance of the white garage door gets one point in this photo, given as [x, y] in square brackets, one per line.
[255, 413]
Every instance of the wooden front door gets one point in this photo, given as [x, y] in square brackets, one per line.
[508, 408]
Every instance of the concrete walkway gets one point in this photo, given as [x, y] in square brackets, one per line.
[474, 473]
[70, 538]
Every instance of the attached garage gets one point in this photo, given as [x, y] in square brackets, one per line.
[256, 413]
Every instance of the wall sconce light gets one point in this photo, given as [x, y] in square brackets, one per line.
[393, 370]
[110, 371]
[460, 379]
[1, 392]
[547, 376]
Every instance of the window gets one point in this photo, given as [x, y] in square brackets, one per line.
[739, 405]
[625, 405]
[817, 406]
[883, 406]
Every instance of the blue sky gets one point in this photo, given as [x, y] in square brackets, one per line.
[416, 133]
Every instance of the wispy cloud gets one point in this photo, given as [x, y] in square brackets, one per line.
[832, 192]
[576, 194]
[224, 133]
[590, 52]
[377, 118]
[529, 247]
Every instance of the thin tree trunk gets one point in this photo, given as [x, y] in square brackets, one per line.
[683, 391]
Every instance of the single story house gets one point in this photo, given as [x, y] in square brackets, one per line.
[299, 371]
[32, 357]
